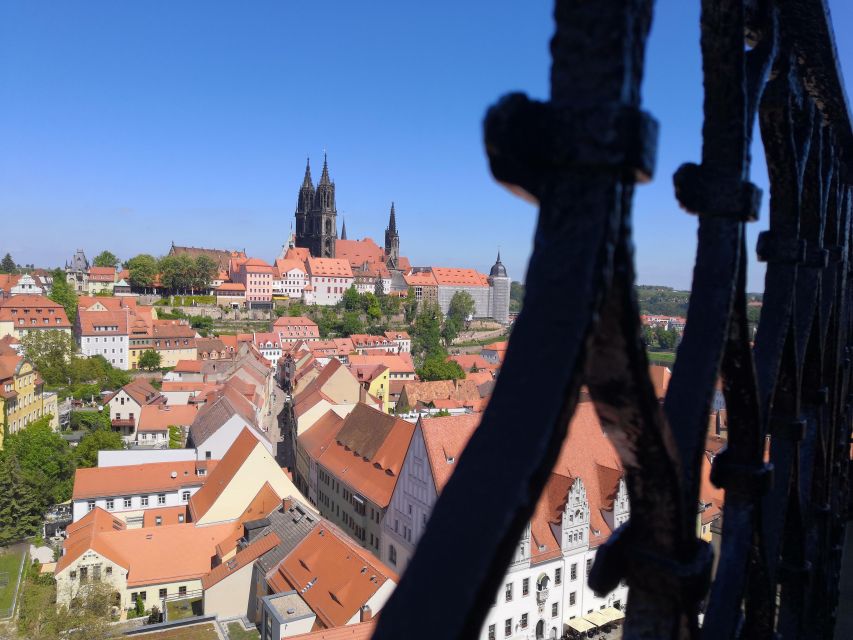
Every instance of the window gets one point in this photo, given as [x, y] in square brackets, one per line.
[392, 554]
[133, 596]
[73, 575]
[158, 520]
[508, 592]
[96, 573]
[572, 598]
[180, 517]
[185, 496]
[110, 504]
[554, 610]
[143, 595]
[91, 505]
[588, 567]
[144, 501]
[558, 575]
[127, 503]
[574, 571]
[109, 571]
[207, 455]
[508, 627]
[162, 594]
[84, 574]
[525, 586]
[491, 632]
[161, 498]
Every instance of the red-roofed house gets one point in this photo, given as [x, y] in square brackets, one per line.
[290, 277]
[29, 312]
[330, 278]
[257, 276]
[295, 328]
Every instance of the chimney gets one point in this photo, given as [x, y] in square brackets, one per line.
[286, 504]
[366, 613]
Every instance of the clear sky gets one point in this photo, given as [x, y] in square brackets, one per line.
[129, 125]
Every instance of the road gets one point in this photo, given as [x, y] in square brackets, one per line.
[272, 424]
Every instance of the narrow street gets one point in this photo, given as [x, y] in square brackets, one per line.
[271, 423]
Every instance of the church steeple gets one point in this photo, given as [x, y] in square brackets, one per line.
[392, 241]
[307, 182]
[344, 230]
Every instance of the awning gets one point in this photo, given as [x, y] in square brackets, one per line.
[580, 625]
[597, 619]
[612, 614]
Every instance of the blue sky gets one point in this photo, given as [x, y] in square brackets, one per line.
[131, 125]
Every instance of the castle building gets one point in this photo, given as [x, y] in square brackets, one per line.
[499, 289]
[317, 214]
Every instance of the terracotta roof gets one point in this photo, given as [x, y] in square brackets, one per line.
[225, 402]
[357, 252]
[231, 287]
[368, 452]
[294, 321]
[265, 501]
[188, 366]
[159, 417]
[111, 303]
[223, 473]
[102, 323]
[360, 631]
[252, 552]
[256, 265]
[332, 575]
[9, 365]
[445, 438]
[470, 360]
[420, 279]
[297, 253]
[142, 392]
[208, 345]
[167, 515]
[173, 329]
[29, 306]
[152, 477]
[450, 276]
[397, 362]
[397, 335]
[84, 535]
[284, 266]
[317, 439]
[427, 392]
[332, 267]
[660, 376]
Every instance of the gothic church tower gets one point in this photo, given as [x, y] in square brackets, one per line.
[317, 215]
[392, 241]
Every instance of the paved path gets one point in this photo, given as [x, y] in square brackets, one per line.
[272, 424]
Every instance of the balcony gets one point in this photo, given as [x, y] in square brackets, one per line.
[123, 423]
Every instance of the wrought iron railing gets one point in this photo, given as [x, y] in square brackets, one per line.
[579, 155]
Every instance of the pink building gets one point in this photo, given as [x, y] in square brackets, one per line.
[257, 276]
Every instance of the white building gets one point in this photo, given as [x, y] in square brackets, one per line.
[127, 492]
[330, 278]
[545, 588]
[104, 333]
[126, 406]
[27, 284]
[290, 278]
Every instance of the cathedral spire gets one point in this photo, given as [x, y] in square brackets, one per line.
[307, 182]
[344, 230]
[324, 177]
[392, 221]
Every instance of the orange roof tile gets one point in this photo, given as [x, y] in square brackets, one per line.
[451, 276]
[152, 477]
[159, 417]
[28, 306]
[342, 576]
[167, 515]
[85, 534]
[397, 362]
[332, 267]
[357, 252]
[421, 279]
[248, 555]
[360, 631]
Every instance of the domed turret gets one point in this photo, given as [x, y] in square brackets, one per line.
[498, 269]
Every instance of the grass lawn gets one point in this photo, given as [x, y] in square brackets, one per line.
[236, 632]
[181, 609]
[195, 632]
[661, 357]
[10, 564]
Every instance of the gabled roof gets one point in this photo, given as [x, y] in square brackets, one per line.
[321, 434]
[125, 480]
[333, 576]
[29, 306]
[445, 438]
[397, 335]
[368, 452]
[225, 403]
[331, 267]
[103, 323]
[294, 321]
[420, 279]
[160, 417]
[451, 276]
[142, 392]
[284, 266]
[223, 473]
[84, 535]
[248, 555]
[297, 253]
[360, 631]
[357, 252]
[397, 362]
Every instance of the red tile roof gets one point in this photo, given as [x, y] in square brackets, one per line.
[248, 555]
[332, 267]
[159, 417]
[421, 279]
[29, 306]
[445, 438]
[153, 477]
[446, 276]
[357, 252]
[360, 631]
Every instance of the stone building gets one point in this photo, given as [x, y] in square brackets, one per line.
[317, 214]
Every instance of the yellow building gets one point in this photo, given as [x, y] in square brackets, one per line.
[22, 398]
[174, 340]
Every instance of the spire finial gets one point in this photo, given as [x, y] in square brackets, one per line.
[344, 230]
[392, 220]
[307, 182]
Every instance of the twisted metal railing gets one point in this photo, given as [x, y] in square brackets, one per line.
[579, 155]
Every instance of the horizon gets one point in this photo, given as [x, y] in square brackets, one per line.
[127, 128]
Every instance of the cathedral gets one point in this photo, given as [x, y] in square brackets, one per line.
[317, 222]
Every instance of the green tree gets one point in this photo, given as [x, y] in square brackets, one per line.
[516, 296]
[62, 293]
[177, 272]
[8, 265]
[426, 332]
[351, 323]
[667, 338]
[437, 367]
[105, 259]
[410, 306]
[20, 515]
[150, 360]
[202, 324]
[461, 307]
[351, 299]
[143, 270]
[45, 459]
[86, 453]
[176, 437]
[50, 351]
[204, 271]
[90, 420]
[373, 310]
[450, 330]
